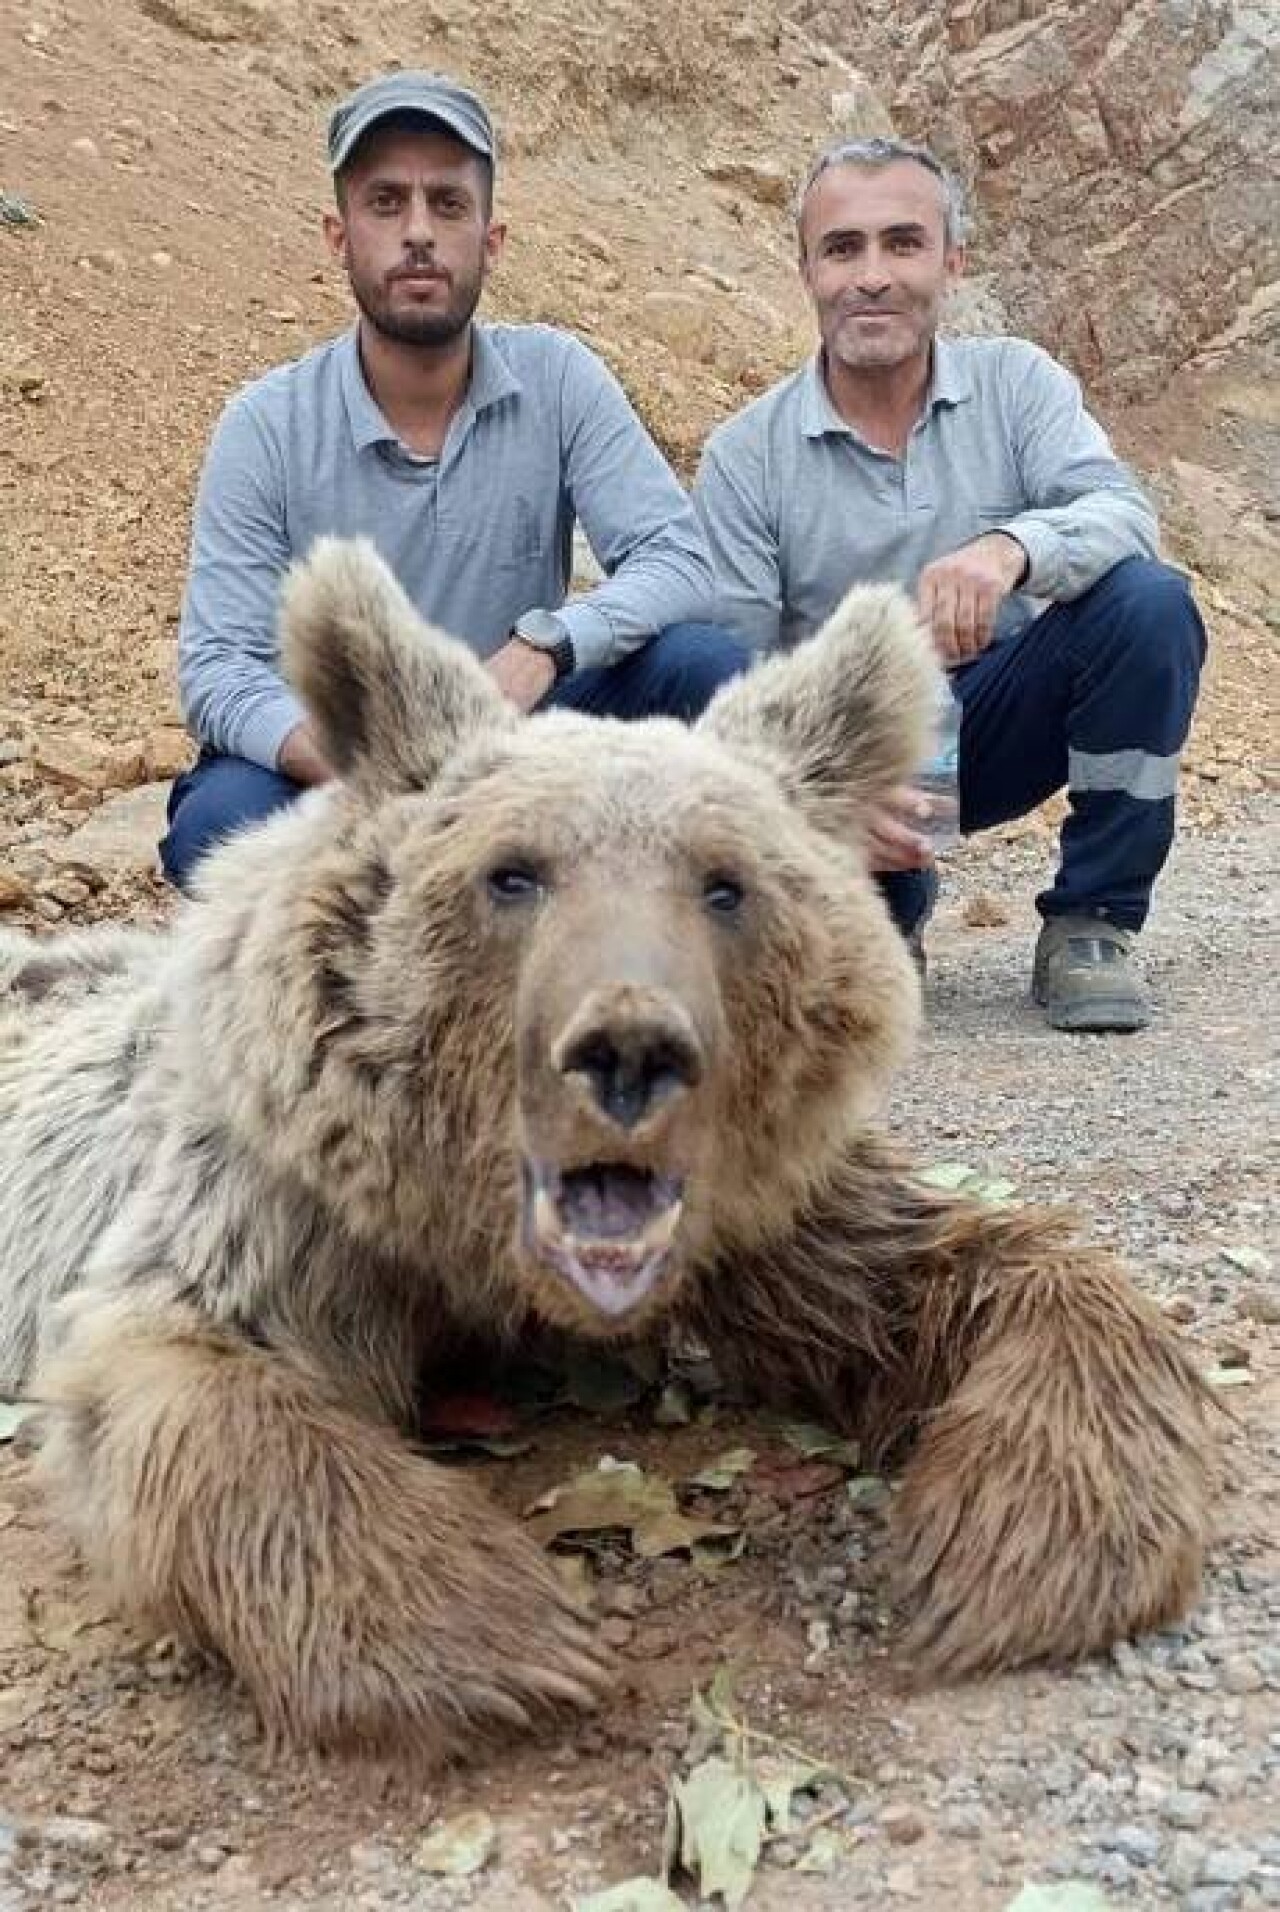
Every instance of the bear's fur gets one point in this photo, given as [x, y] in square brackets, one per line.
[559, 1021]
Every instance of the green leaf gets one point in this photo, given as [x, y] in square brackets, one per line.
[633, 1895]
[459, 1847]
[951, 1176]
[720, 1474]
[619, 1496]
[1072, 1896]
[12, 1416]
[819, 1443]
[721, 1818]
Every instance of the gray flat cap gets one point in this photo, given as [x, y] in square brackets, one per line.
[432, 95]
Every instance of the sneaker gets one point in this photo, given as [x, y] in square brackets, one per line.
[1084, 977]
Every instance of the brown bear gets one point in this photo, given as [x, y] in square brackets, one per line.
[558, 1021]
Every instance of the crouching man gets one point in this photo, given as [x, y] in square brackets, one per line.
[969, 471]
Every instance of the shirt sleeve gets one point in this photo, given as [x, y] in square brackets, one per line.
[233, 696]
[1086, 509]
[731, 500]
[636, 517]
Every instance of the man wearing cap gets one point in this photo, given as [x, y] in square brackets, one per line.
[466, 451]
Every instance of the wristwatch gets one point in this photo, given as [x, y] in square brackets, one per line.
[544, 631]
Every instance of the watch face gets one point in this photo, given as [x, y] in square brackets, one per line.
[541, 629]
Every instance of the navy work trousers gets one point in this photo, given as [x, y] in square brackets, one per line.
[1096, 695]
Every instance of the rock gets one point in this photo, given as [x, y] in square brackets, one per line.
[86, 1839]
[166, 752]
[903, 1824]
[857, 111]
[86, 148]
[1183, 1862]
[1259, 1304]
[1241, 1675]
[682, 322]
[985, 911]
[79, 761]
[119, 839]
[761, 179]
[14, 889]
[1185, 1810]
[1138, 1844]
[1228, 1865]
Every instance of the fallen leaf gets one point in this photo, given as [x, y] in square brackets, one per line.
[720, 1474]
[459, 1847]
[633, 1895]
[1228, 1377]
[618, 1495]
[720, 1818]
[12, 1416]
[960, 1178]
[819, 1443]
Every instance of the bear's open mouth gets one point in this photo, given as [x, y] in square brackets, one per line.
[608, 1227]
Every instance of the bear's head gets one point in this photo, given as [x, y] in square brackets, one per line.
[561, 1000]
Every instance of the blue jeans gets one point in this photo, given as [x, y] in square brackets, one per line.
[675, 674]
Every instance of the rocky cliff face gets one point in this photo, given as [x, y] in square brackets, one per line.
[1124, 160]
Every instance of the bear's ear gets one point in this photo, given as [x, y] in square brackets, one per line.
[846, 715]
[390, 697]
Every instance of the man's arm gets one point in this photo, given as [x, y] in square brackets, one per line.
[636, 516]
[729, 494]
[1087, 511]
[233, 697]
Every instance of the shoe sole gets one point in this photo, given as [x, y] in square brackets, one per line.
[1096, 1018]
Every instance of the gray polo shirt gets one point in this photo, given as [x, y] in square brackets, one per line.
[477, 537]
[797, 507]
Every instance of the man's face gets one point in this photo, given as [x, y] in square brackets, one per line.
[876, 263]
[414, 234]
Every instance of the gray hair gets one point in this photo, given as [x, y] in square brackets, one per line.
[881, 150]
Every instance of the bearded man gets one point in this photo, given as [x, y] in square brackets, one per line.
[466, 451]
[969, 471]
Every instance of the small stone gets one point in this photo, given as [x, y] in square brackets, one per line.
[161, 258]
[901, 1882]
[1259, 1304]
[760, 179]
[616, 1631]
[903, 1825]
[86, 148]
[85, 1838]
[965, 1822]
[1186, 1810]
[1228, 1865]
[14, 889]
[210, 1858]
[1138, 1844]
[1183, 1861]
[1240, 1675]
[985, 911]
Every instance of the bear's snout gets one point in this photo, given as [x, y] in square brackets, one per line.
[635, 1052]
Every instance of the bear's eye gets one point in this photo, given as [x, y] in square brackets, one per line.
[514, 883]
[723, 893]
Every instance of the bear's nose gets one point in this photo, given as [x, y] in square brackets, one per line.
[634, 1065]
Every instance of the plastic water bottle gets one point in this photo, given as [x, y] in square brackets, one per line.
[939, 780]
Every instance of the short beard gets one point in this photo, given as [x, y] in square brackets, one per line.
[419, 328]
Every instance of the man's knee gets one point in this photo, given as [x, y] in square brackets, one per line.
[220, 796]
[691, 662]
[1152, 605]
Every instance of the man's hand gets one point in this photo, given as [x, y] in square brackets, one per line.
[522, 672]
[892, 838]
[301, 757]
[959, 594]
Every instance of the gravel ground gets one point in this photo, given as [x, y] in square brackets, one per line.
[131, 1778]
